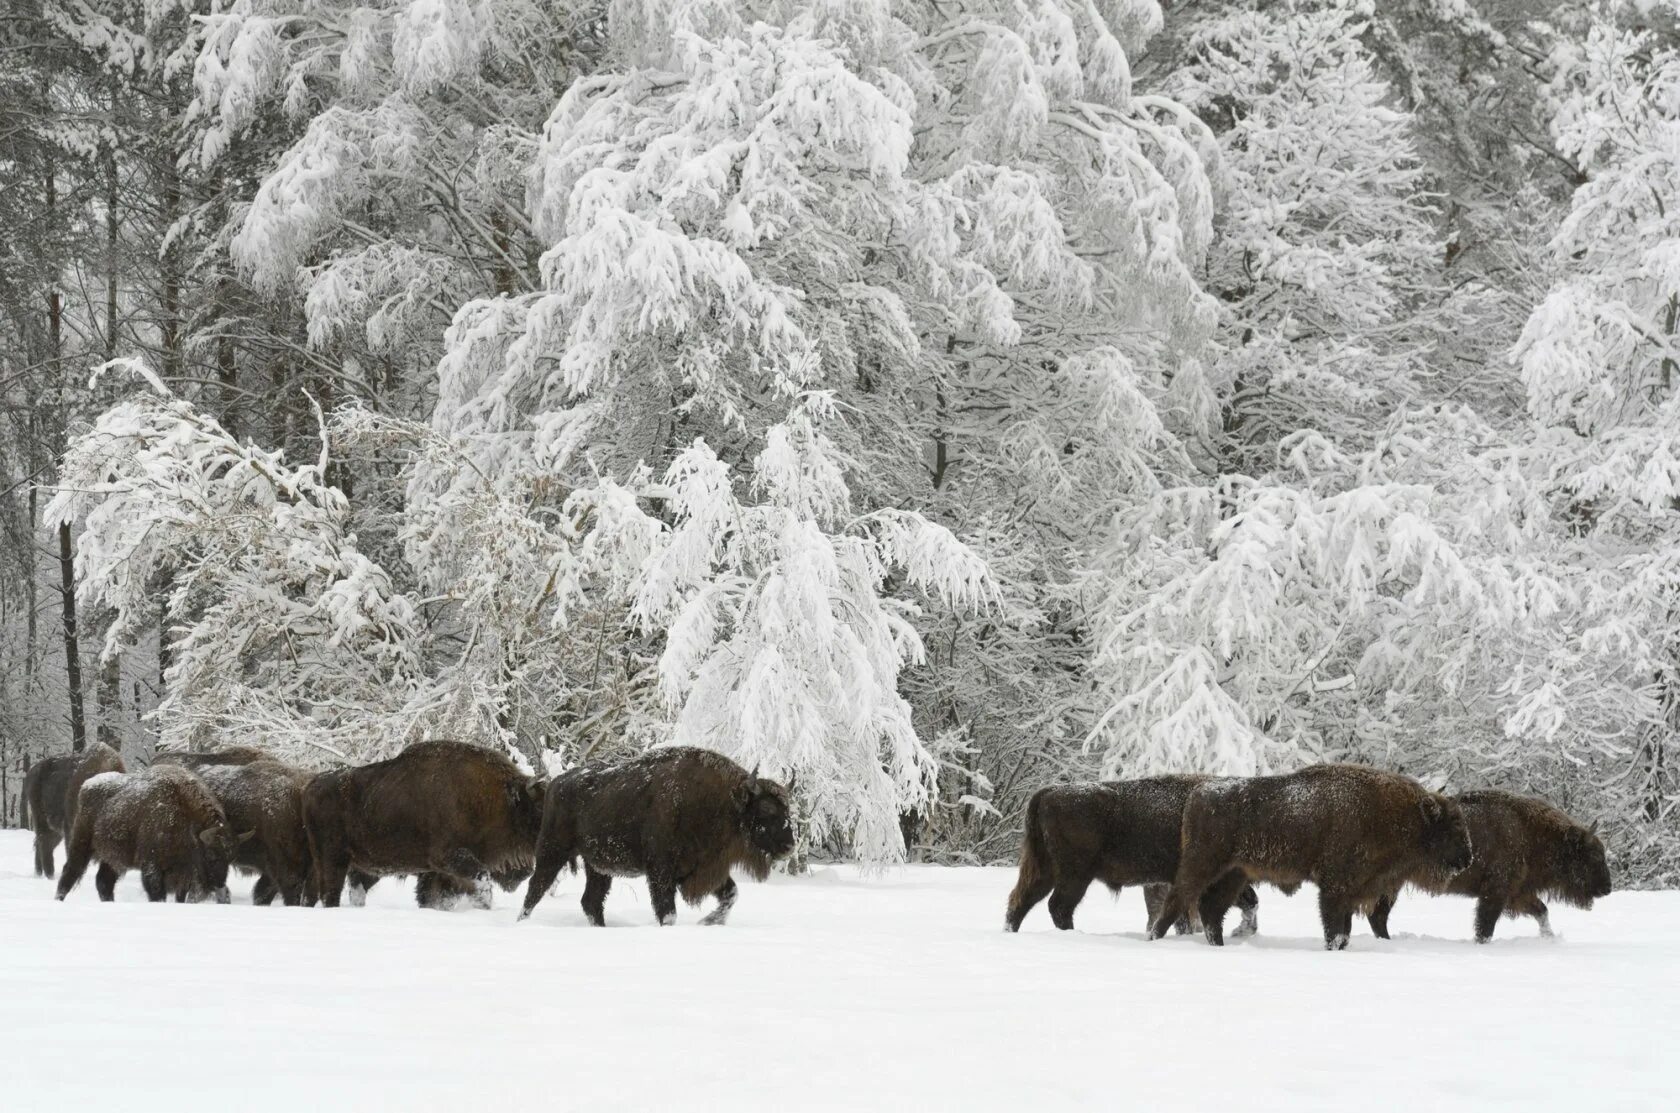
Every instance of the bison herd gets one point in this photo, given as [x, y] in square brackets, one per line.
[1199, 844]
[460, 817]
[456, 816]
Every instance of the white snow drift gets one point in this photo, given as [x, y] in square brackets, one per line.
[835, 991]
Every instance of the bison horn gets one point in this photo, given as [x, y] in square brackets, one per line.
[754, 773]
[534, 787]
[247, 836]
[207, 836]
[793, 783]
[1593, 830]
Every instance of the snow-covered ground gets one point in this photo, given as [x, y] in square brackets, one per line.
[836, 991]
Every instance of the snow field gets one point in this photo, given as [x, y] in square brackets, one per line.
[833, 991]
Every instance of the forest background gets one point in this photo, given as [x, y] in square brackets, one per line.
[934, 400]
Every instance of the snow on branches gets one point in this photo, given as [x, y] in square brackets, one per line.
[275, 620]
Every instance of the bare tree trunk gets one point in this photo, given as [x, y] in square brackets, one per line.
[72, 653]
[66, 550]
[107, 691]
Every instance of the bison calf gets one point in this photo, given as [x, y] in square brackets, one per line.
[441, 806]
[1356, 833]
[266, 798]
[684, 817]
[163, 822]
[1523, 849]
[1117, 832]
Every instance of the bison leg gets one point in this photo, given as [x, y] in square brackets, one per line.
[1488, 911]
[45, 840]
[151, 879]
[542, 880]
[105, 881]
[1066, 897]
[262, 893]
[1215, 901]
[1336, 913]
[1379, 916]
[78, 852]
[1031, 887]
[662, 890]
[360, 882]
[1534, 906]
[725, 895]
[1248, 902]
[595, 895]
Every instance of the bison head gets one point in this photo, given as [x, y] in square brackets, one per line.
[767, 816]
[1583, 874]
[1446, 836]
[217, 844]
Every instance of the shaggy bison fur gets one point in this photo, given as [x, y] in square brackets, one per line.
[1523, 850]
[96, 759]
[163, 822]
[683, 817]
[44, 789]
[266, 798]
[195, 759]
[448, 807]
[1117, 832]
[1355, 832]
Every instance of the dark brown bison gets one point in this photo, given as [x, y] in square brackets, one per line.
[684, 817]
[44, 789]
[441, 806]
[1117, 832]
[163, 822]
[266, 798]
[96, 759]
[1355, 832]
[196, 759]
[1523, 849]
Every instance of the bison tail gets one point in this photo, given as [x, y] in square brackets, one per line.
[1035, 879]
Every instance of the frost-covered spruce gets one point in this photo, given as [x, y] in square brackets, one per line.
[1356, 833]
[163, 822]
[1117, 832]
[682, 817]
[1524, 850]
[444, 806]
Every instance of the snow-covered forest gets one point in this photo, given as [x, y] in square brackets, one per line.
[932, 400]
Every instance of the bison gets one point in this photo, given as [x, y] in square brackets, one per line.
[163, 822]
[96, 759]
[266, 798]
[1117, 832]
[1355, 832]
[1523, 849]
[442, 806]
[196, 760]
[684, 817]
[44, 789]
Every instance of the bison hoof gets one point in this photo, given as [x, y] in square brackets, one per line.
[1243, 930]
[223, 896]
[1336, 943]
[712, 920]
[355, 898]
[668, 919]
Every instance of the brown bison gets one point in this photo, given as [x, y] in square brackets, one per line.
[96, 759]
[1355, 832]
[1522, 849]
[196, 759]
[684, 817]
[1117, 832]
[44, 789]
[163, 822]
[441, 806]
[266, 798]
